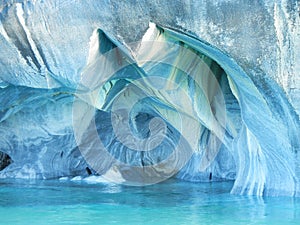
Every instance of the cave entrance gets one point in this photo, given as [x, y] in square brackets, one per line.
[165, 77]
[5, 160]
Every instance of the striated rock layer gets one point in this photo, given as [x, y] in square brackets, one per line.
[139, 92]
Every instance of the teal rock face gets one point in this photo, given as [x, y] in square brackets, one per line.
[202, 93]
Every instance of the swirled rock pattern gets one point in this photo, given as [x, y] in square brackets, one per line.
[207, 92]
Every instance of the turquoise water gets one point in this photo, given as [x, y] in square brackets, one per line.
[171, 202]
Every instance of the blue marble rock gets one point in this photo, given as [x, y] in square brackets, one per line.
[139, 92]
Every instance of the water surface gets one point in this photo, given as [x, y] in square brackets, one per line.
[171, 202]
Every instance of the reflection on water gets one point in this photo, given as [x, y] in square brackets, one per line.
[171, 202]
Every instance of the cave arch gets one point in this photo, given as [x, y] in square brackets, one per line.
[260, 147]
